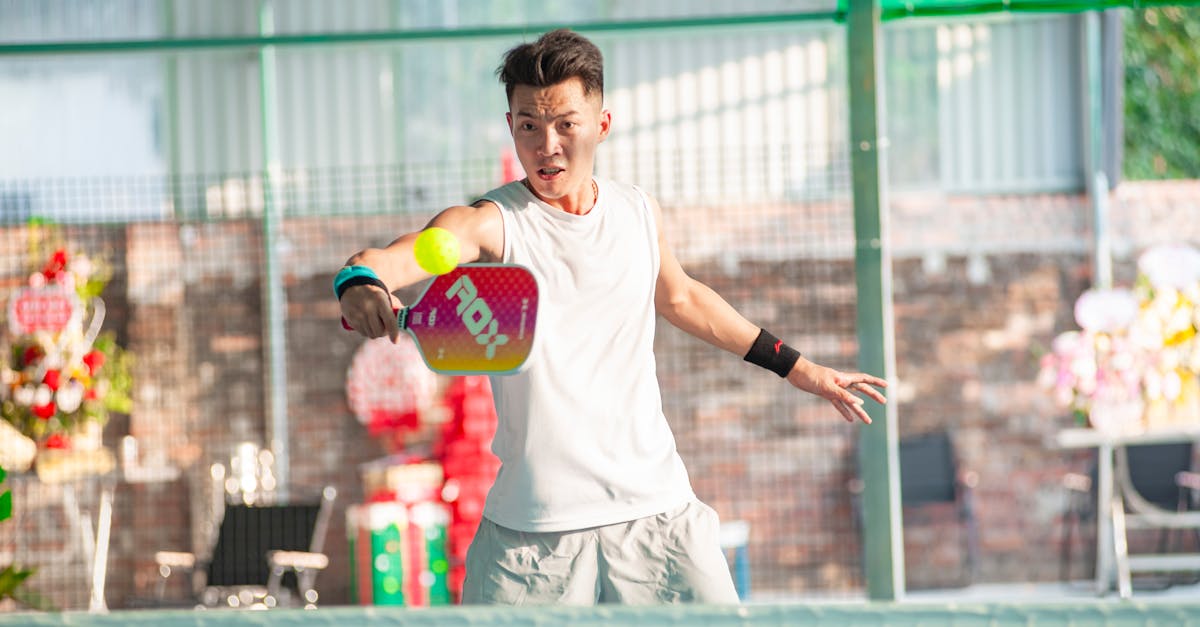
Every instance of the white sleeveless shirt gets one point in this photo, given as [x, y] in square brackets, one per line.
[582, 438]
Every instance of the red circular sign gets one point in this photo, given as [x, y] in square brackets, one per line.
[387, 379]
[49, 308]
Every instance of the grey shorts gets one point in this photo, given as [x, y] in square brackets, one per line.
[673, 557]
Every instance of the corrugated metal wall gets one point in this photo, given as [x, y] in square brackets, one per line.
[699, 115]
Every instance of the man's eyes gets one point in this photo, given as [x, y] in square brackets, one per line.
[566, 125]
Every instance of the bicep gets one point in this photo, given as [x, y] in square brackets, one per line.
[478, 230]
[673, 284]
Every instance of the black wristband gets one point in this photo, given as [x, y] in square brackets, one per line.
[358, 280]
[771, 353]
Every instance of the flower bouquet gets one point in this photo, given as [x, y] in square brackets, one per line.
[1166, 328]
[1096, 372]
[1135, 362]
[60, 375]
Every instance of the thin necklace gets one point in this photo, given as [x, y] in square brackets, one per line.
[595, 191]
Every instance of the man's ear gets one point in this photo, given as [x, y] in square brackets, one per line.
[508, 120]
[605, 123]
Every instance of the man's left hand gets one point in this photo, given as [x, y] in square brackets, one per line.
[839, 388]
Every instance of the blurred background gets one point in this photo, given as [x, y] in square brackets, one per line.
[175, 198]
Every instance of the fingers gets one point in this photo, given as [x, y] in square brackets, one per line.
[371, 312]
[391, 322]
[370, 325]
[844, 410]
[862, 383]
[868, 391]
[852, 411]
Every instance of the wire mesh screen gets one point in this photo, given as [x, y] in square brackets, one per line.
[148, 171]
[186, 299]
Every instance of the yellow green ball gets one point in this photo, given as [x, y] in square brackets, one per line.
[436, 250]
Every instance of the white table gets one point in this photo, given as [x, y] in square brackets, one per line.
[1112, 562]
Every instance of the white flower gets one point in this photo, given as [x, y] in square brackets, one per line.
[37, 279]
[1165, 301]
[1170, 265]
[1178, 321]
[42, 395]
[1153, 382]
[1066, 342]
[70, 396]
[24, 395]
[82, 267]
[1172, 385]
[1106, 311]
[1148, 330]
[1168, 360]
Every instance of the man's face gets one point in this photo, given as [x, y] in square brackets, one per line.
[556, 130]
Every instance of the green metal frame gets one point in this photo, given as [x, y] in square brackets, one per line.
[883, 546]
[404, 35]
[274, 296]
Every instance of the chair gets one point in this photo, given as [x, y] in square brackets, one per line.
[264, 555]
[1155, 490]
[1156, 483]
[929, 474]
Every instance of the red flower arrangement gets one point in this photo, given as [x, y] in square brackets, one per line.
[61, 372]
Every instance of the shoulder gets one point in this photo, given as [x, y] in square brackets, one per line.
[478, 226]
[629, 194]
[641, 199]
[508, 196]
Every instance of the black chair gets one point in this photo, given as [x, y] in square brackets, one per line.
[264, 556]
[930, 473]
[1158, 476]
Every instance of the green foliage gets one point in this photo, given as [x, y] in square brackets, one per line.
[1162, 93]
[13, 575]
[5, 499]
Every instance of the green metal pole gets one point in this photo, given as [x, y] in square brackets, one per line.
[718, 22]
[1095, 149]
[395, 175]
[171, 71]
[274, 296]
[883, 545]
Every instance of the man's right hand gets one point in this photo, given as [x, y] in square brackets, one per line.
[371, 312]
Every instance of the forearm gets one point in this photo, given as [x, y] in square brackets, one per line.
[394, 264]
[702, 313]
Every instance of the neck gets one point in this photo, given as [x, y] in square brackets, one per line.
[578, 203]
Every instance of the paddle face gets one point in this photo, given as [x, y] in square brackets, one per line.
[475, 319]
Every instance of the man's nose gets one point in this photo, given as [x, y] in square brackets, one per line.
[548, 143]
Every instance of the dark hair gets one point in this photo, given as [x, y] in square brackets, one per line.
[555, 57]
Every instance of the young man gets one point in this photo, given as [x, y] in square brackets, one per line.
[592, 502]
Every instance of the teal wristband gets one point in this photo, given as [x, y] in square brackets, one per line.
[352, 272]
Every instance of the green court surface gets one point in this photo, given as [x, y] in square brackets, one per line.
[1157, 613]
